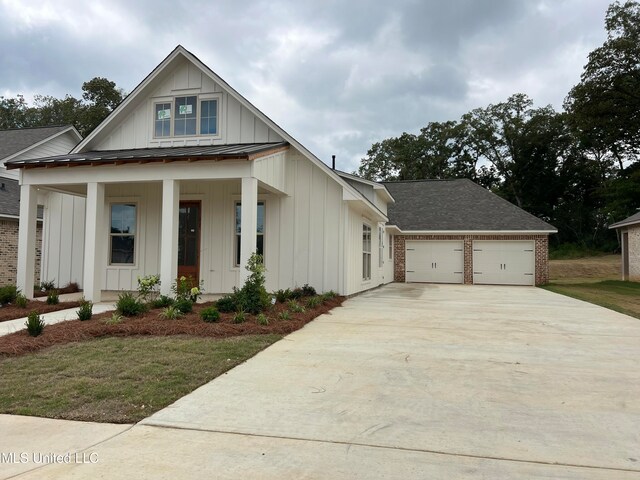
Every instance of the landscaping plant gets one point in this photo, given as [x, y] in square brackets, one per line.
[171, 313]
[227, 304]
[114, 319]
[53, 297]
[129, 305]
[284, 315]
[253, 296]
[47, 285]
[308, 290]
[85, 312]
[295, 307]
[148, 288]
[210, 314]
[183, 305]
[185, 288]
[283, 295]
[162, 302]
[8, 294]
[21, 301]
[313, 302]
[262, 319]
[35, 324]
[239, 317]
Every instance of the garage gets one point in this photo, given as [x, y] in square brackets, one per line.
[503, 262]
[434, 261]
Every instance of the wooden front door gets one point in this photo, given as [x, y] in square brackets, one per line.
[189, 240]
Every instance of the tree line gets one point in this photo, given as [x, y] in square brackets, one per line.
[577, 169]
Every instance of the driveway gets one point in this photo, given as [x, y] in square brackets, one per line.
[410, 381]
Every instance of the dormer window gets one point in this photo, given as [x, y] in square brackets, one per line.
[186, 116]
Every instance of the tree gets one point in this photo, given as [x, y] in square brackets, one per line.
[605, 105]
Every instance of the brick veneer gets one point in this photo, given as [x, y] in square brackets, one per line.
[541, 253]
[9, 251]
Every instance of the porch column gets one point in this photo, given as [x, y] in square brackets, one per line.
[169, 235]
[25, 275]
[248, 224]
[94, 242]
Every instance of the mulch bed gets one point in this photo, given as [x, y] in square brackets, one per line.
[11, 312]
[151, 324]
[71, 288]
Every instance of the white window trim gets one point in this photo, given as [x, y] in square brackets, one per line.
[236, 201]
[391, 247]
[199, 99]
[137, 235]
[380, 246]
[365, 224]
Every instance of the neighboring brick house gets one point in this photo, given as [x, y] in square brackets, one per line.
[455, 231]
[629, 231]
[18, 144]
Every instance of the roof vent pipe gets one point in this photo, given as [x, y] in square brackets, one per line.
[333, 162]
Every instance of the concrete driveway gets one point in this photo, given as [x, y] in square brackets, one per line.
[409, 381]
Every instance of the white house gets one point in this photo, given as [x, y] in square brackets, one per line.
[187, 177]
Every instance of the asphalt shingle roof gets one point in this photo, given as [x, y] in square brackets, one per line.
[15, 140]
[458, 205]
[10, 198]
[635, 218]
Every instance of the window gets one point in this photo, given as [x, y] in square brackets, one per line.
[185, 116]
[390, 247]
[163, 120]
[122, 238]
[366, 252]
[380, 247]
[259, 231]
[209, 117]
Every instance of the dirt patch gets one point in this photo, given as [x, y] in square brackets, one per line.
[11, 312]
[151, 324]
[588, 269]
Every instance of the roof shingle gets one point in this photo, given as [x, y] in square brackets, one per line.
[15, 140]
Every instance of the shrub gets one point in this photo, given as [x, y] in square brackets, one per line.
[148, 287]
[34, 324]
[162, 302]
[21, 301]
[283, 295]
[294, 306]
[284, 315]
[253, 297]
[114, 319]
[262, 319]
[183, 305]
[47, 285]
[129, 305]
[53, 297]
[239, 317]
[186, 288]
[72, 287]
[313, 302]
[328, 296]
[171, 313]
[296, 293]
[85, 312]
[227, 304]
[210, 314]
[8, 294]
[308, 290]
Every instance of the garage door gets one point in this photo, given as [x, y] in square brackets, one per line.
[434, 261]
[504, 262]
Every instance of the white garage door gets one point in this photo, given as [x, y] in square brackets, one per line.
[504, 262]
[434, 261]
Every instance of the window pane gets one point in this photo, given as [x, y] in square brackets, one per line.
[209, 117]
[162, 119]
[260, 245]
[185, 116]
[238, 217]
[128, 218]
[237, 249]
[260, 217]
[122, 248]
[116, 219]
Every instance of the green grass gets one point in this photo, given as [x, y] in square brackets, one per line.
[623, 297]
[119, 380]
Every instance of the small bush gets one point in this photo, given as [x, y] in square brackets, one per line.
[253, 296]
[313, 302]
[114, 319]
[296, 294]
[283, 295]
[47, 285]
[148, 287]
[262, 319]
[239, 317]
[295, 307]
[162, 302]
[85, 312]
[328, 296]
[21, 301]
[53, 297]
[72, 287]
[8, 294]
[186, 288]
[183, 305]
[210, 314]
[129, 305]
[171, 313]
[308, 290]
[35, 324]
[284, 315]
[227, 304]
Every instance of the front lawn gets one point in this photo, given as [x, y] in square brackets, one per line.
[118, 380]
[623, 297]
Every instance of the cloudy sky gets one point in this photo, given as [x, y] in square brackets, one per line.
[337, 75]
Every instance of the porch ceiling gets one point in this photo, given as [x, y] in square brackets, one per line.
[243, 151]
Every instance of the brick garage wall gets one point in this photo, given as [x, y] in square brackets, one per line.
[634, 252]
[541, 253]
[9, 251]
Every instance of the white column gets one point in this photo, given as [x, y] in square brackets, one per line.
[94, 242]
[249, 224]
[25, 275]
[169, 235]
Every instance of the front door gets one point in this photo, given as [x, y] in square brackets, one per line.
[189, 241]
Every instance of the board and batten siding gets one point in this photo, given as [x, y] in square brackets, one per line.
[236, 124]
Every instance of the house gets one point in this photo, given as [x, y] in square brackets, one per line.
[629, 231]
[18, 144]
[187, 177]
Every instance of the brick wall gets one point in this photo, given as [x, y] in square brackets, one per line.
[9, 251]
[541, 253]
[634, 252]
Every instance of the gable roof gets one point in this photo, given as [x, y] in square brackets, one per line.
[17, 140]
[10, 199]
[456, 205]
[351, 193]
[632, 220]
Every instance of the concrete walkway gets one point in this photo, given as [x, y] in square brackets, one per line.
[409, 381]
